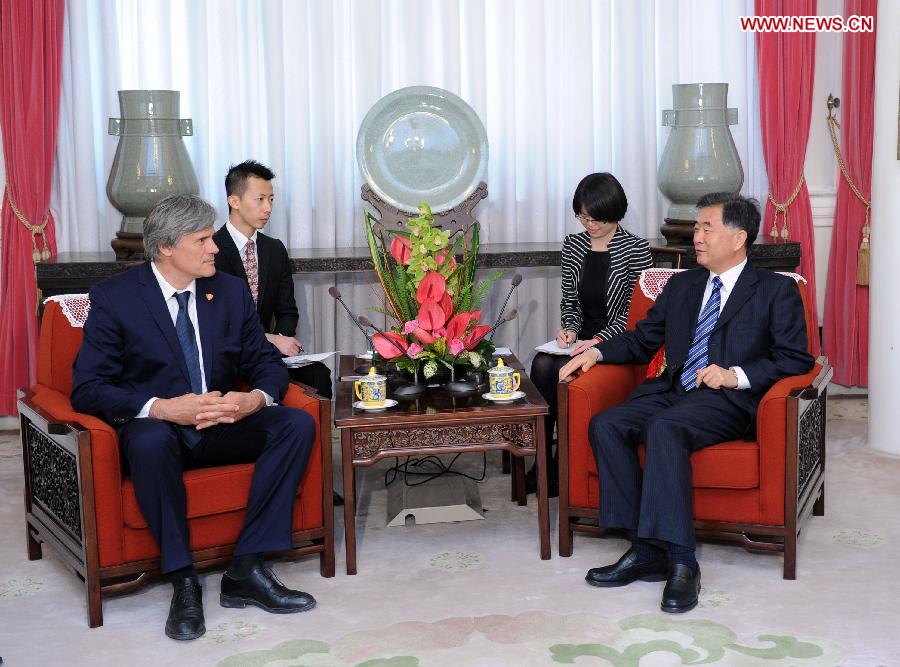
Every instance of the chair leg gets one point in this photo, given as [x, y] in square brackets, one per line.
[518, 481]
[326, 558]
[790, 555]
[35, 552]
[94, 600]
[565, 536]
[819, 505]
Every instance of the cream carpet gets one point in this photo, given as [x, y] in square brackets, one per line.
[476, 593]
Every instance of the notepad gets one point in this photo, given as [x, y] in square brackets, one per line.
[552, 347]
[303, 359]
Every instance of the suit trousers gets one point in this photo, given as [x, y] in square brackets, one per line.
[278, 439]
[657, 503]
[316, 375]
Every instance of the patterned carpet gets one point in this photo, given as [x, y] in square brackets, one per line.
[476, 593]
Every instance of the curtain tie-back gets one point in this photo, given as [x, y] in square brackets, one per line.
[36, 230]
[782, 209]
[862, 253]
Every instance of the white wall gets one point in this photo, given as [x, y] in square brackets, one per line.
[821, 167]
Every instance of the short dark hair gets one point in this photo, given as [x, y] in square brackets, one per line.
[238, 174]
[600, 196]
[737, 211]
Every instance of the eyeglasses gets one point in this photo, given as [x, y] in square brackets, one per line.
[588, 220]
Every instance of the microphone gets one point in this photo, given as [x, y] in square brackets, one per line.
[516, 279]
[366, 322]
[336, 295]
[509, 317]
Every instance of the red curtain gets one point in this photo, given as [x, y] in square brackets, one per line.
[786, 62]
[31, 34]
[845, 331]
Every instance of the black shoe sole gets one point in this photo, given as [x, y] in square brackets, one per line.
[239, 603]
[624, 582]
[677, 610]
[186, 636]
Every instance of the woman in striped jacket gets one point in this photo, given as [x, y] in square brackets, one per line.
[599, 268]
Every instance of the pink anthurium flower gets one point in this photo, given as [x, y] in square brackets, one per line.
[423, 336]
[431, 315]
[446, 304]
[390, 344]
[431, 288]
[401, 249]
[475, 337]
[458, 324]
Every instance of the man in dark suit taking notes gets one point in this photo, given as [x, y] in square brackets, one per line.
[164, 346]
[730, 332]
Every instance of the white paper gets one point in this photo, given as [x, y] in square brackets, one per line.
[303, 359]
[502, 352]
[552, 347]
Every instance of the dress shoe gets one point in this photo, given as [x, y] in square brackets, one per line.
[682, 589]
[627, 569]
[262, 589]
[337, 499]
[186, 611]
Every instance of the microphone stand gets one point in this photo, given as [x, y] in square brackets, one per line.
[515, 283]
[362, 369]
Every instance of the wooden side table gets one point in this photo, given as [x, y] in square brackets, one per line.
[437, 424]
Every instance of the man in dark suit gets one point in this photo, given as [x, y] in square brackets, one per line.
[730, 331]
[164, 344]
[264, 264]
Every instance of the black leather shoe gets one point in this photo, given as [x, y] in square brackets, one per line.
[337, 499]
[682, 589]
[186, 611]
[627, 569]
[262, 589]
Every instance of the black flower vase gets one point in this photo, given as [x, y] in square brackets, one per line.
[460, 383]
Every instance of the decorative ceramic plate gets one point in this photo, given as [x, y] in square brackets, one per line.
[505, 398]
[388, 403]
[422, 144]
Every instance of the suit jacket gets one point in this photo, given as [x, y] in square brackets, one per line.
[762, 329]
[131, 353]
[275, 300]
[628, 256]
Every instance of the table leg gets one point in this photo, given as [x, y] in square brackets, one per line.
[542, 500]
[349, 500]
[518, 480]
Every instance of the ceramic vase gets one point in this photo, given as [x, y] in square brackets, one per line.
[700, 156]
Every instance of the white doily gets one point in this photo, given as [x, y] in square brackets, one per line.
[74, 306]
[652, 281]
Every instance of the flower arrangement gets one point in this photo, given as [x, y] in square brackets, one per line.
[432, 298]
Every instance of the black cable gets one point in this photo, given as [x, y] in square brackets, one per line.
[390, 475]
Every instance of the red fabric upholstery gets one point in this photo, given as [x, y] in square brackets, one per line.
[216, 497]
[734, 481]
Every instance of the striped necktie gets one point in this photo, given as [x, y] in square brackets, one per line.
[251, 269]
[698, 356]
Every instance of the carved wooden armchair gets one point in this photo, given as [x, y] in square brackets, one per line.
[754, 493]
[78, 501]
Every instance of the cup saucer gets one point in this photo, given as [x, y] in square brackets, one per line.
[388, 403]
[505, 398]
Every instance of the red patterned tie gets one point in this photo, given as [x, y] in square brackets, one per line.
[252, 270]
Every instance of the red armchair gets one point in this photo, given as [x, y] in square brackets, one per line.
[753, 493]
[79, 503]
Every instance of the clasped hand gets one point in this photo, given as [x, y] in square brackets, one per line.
[209, 409]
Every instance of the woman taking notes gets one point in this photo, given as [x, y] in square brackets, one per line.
[599, 268]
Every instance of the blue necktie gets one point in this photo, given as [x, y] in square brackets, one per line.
[188, 341]
[698, 355]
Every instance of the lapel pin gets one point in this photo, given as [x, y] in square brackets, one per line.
[209, 297]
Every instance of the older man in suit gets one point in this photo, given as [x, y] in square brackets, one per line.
[730, 331]
[164, 345]
[263, 262]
